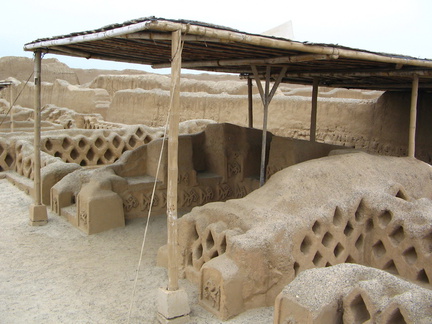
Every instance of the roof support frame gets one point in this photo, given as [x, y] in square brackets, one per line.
[266, 97]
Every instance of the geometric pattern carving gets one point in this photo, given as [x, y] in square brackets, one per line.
[355, 239]
[397, 235]
[353, 294]
[6, 158]
[208, 244]
[357, 310]
[385, 218]
[316, 228]
[224, 191]
[378, 249]
[130, 202]
[396, 317]
[99, 148]
[234, 168]
[306, 244]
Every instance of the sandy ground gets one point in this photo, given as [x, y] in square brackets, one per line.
[56, 274]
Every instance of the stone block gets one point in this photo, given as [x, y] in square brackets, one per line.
[38, 215]
[172, 306]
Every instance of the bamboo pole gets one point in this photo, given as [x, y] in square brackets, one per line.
[37, 129]
[357, 73]
[413, 116]
[11, 108]
[173, 161]
[312, 136]
[264, 135]
[250, 103]
[247, 62]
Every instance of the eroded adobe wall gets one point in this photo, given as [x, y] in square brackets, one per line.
[62, 94]
[21, 68]
[374, 121]
[349, 208]
[350, 293]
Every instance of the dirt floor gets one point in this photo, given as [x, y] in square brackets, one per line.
[56, 274]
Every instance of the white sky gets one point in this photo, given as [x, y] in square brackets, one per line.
[391, 26]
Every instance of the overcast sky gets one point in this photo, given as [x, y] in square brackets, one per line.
[391, 26]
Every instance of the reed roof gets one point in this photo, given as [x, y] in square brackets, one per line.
[208, 47]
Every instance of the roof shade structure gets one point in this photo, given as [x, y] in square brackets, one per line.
[215, 48]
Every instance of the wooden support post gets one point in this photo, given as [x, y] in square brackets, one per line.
[11, 107]
[312, 136]
[266, 97]
[250, 103]
[173, 160]
[413, 117]
[38, 213]
[172, 303]
[264, 134]
[37, 129]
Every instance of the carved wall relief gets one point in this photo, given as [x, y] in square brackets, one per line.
[224, 191]
[206, 195]
[211, 293]
[83, 218]
[147, 201]
[240, 191]
[183, 178]
[234, 168]
[190, 198]
[130, 202]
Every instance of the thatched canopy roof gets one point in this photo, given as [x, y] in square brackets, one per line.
[215, 48]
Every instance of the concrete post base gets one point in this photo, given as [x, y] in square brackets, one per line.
[38, 215]
[173, 306]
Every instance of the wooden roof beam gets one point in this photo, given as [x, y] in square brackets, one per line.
[167, 37]
[247, 62]
[394, 73]
[377, 86]
[348, 74]
[64, 50]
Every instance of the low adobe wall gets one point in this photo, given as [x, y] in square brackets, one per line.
[350, 293]
[348, 208]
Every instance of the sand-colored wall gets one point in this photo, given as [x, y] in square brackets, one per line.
[21, 68]
[62, 94]
[345, 208]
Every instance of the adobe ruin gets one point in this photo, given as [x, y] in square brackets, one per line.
[349, 207]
